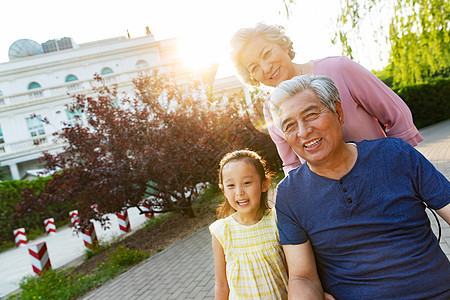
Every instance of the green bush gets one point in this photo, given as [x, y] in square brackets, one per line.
[428, 102]
[124, 257]
[10, 192]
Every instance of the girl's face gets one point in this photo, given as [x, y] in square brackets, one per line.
[242, 187]
[267, 62]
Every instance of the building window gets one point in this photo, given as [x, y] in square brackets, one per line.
[74, 117]
[2, 101]
[71, 77]
[141, 64]
[35, 126]
[34, 85]
[106, 71]
[75, 85]
[2, 141]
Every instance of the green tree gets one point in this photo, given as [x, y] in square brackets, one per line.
[416, 31]
[420, 40]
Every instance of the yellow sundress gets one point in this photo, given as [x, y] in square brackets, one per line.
[255, 262]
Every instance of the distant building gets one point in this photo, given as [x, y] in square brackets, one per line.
[39, 77]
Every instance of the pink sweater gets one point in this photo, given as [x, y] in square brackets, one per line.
[365, 101]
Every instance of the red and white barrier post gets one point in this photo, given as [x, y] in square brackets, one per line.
[124, 222]
[95, 208]
[149, 215]
[20, 237]
[90, 237]
[50, 227]
[74, 220]
[39, 257]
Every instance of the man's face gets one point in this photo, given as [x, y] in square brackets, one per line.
[312, 130]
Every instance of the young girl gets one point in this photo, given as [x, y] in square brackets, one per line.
[249, 262]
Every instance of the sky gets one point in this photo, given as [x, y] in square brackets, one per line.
[204, 27]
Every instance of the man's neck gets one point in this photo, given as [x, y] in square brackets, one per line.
[339, 165]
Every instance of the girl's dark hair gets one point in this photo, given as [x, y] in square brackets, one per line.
[250, 157]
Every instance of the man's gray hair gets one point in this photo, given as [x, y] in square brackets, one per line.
[271, 33]
[321, 85]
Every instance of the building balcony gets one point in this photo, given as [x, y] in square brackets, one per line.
[33, 144]
[123, 81]
[69, 88]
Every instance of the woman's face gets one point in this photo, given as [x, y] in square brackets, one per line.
[267, 62]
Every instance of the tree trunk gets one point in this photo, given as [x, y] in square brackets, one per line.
[188, 211]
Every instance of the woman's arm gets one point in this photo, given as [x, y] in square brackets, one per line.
[221, 286]
[380, 101]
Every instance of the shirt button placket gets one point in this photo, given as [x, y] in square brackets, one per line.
[341, 182]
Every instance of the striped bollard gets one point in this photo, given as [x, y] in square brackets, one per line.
[90, 237]
[50, 227]
[124, 222]
[39, 257]
[20, 237]
[74, 220]
[149, 215]
[94, 207]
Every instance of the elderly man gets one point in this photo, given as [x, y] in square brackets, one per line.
[352, 218]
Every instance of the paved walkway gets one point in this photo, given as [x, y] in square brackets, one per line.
[186, 269]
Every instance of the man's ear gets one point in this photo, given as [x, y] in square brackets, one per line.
[339, 112]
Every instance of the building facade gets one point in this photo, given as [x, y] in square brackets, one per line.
[40, 79]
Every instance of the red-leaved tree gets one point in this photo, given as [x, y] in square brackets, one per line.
[158, 146]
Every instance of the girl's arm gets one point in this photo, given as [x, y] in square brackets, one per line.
[221, 287]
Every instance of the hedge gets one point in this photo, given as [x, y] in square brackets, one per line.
[10, 191]
[429, 102]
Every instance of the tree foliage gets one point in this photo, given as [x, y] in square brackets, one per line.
[417, 32]
[159, 145]
[420, 40]
[287, 5]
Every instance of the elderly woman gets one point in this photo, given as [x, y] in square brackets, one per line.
[352, 218]
[263, 54]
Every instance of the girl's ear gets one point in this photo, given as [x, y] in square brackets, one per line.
[265, 185]
[221, 186]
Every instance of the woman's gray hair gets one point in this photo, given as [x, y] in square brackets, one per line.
[271, 33]
[321, 85]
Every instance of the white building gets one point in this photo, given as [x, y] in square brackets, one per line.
[38, 78]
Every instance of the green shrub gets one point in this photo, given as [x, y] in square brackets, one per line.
[10, 192]
[125, 257]
[429, 102]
